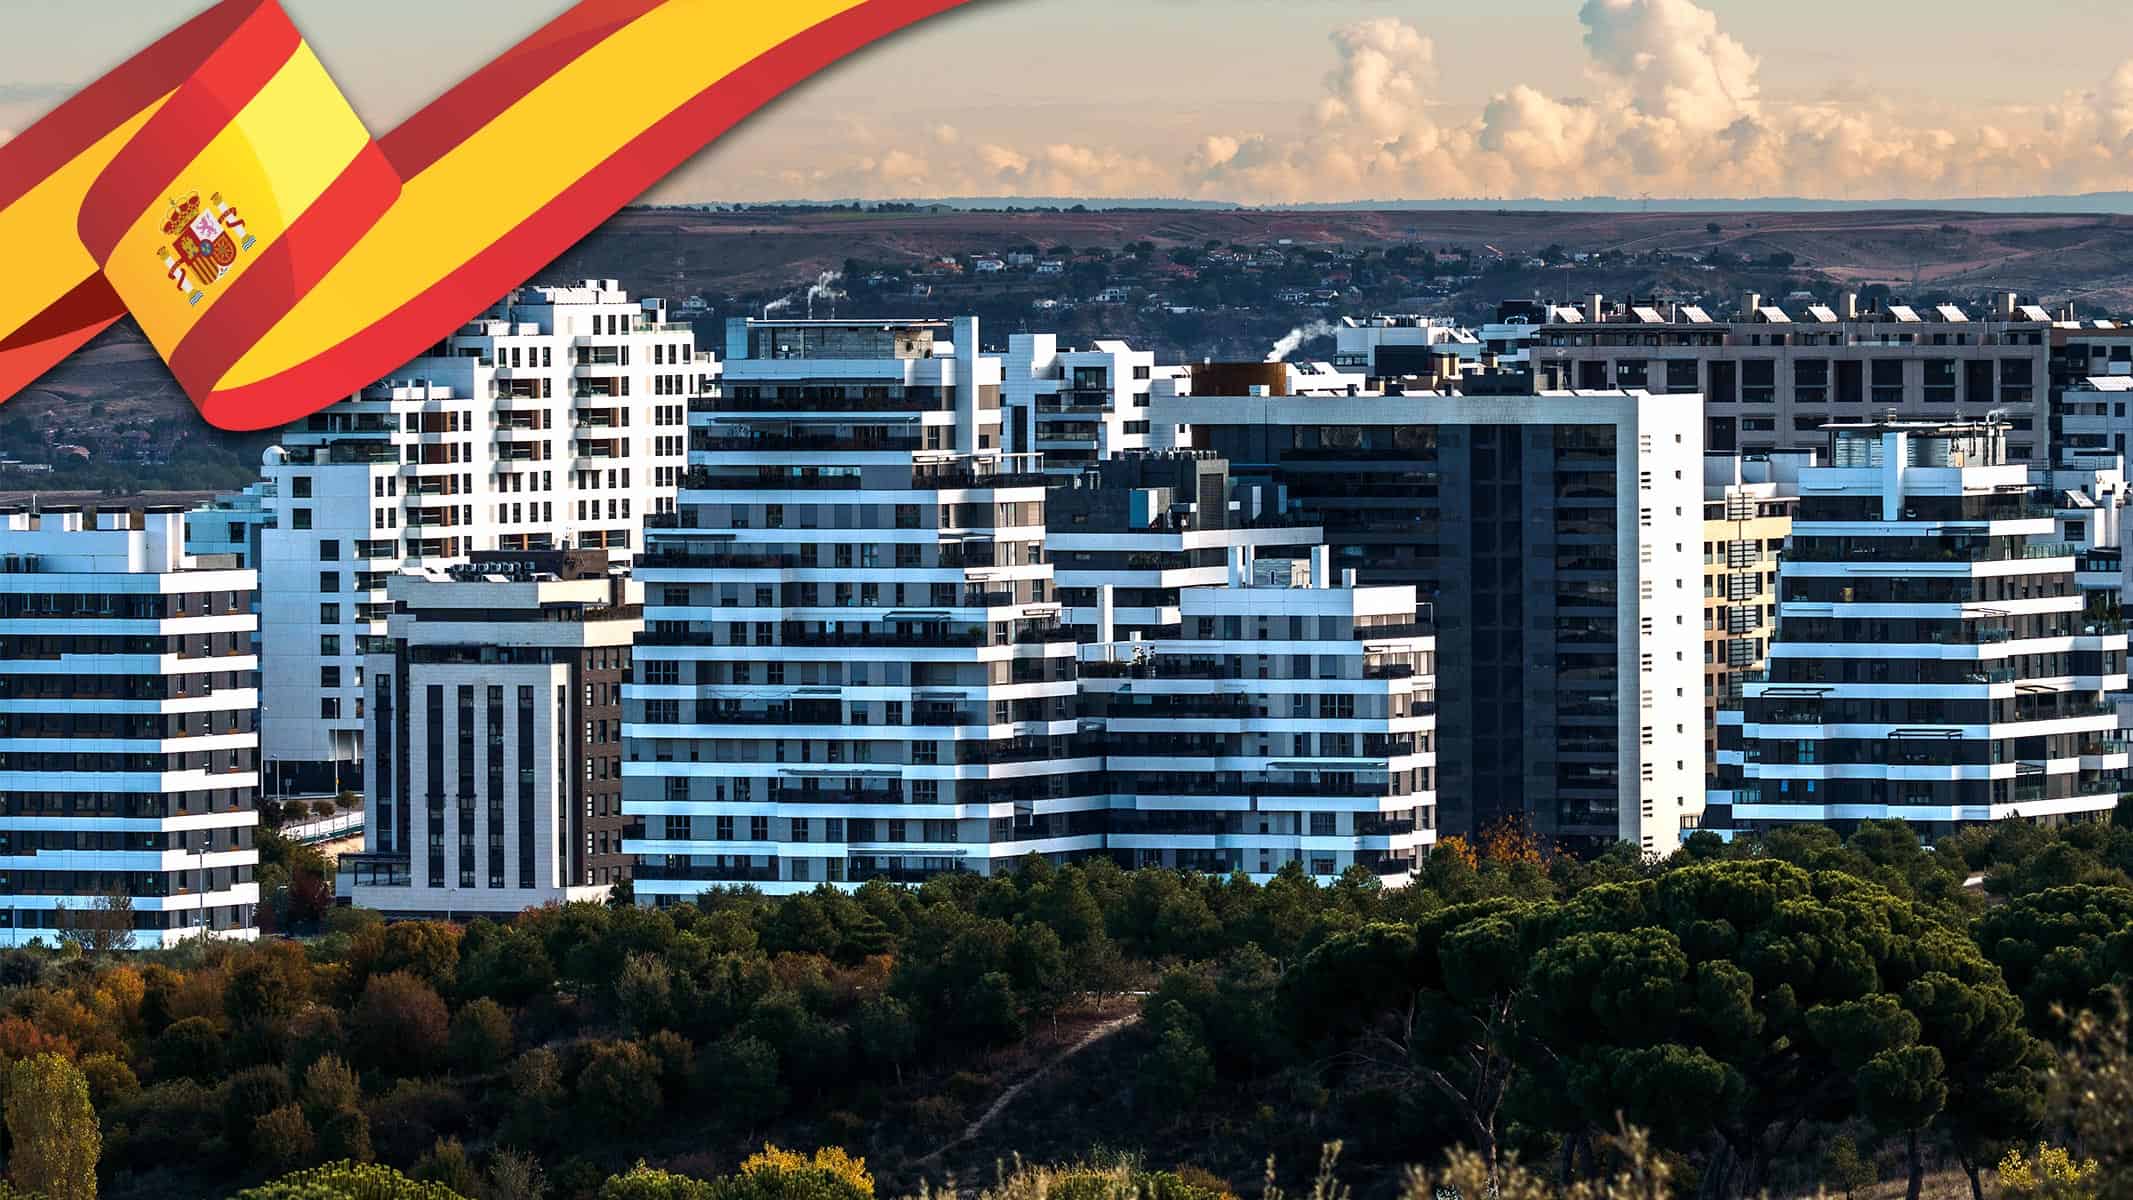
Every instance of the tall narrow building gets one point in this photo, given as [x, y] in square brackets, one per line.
[853, 664]
[556, 421]
[493, 770]
[129, 740]
[1933, 660]
[1554, 537]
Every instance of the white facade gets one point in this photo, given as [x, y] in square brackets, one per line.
[1078, 407]
[852, 665]
[1933, 662]
[500, 701]
[1284, 725]
[559, 420]
[128, 728]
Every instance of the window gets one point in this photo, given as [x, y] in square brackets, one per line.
[329, 645]
[329, 708]
[300, 518]
[300, 486]
[329, 677]
[329, 582]
[329, 549]
[329, 614]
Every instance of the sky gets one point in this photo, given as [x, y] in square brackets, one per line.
[1280, 101]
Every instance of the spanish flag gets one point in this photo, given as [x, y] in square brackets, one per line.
[219, 187]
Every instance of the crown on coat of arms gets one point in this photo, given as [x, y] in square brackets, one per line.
[182, 213]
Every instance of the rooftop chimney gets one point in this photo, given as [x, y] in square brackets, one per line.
[1749, 305]
[1321, 566]
[2007, 306]
[1592, 307]
[1851, 306]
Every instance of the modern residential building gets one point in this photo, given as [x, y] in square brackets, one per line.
[1773, 377]
[1555, 539]
[853, 664]
[1283, 725]
[129, 740]
[556, 421]
[1149, 526]
[231, 524]
[1403, 345]
[1933, 660]
[492, 766]
[1747, 514]
[1078, 406]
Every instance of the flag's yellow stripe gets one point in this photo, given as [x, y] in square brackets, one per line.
[523, 159]
[276, 157]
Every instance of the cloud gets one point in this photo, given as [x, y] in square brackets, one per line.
[1670, 104]
[1674, 108]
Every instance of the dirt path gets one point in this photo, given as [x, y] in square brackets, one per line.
[999, 1104]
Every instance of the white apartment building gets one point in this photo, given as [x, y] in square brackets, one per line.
[492, 769]
[1078, 407]
[1284, 725]
[1933, 660]
[1150, 525]
[1394, 345]
[1557, 540]
[853, 665]
[559, 420]
[129, 743]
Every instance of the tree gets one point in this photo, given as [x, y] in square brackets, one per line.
[1849, 1171]
[330, 1087]
[399, 1026]
[100, 926]
[283, 1138]
[480, 1037]
[2049, 1174]
[1179, 1071]
[249, 1095]
[447, 1163]
[775, 1174]
[644, 993]
[348, 1181]
[886, 1034]
[52, 1129]
[1436, 1004]
[643, 1183]
[1900, 1091]
[619, 1086]
[741, 1072]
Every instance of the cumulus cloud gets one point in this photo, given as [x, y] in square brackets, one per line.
[1670, 104]
[1674, 107]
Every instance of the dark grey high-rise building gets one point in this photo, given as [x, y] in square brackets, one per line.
[1557, 539]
